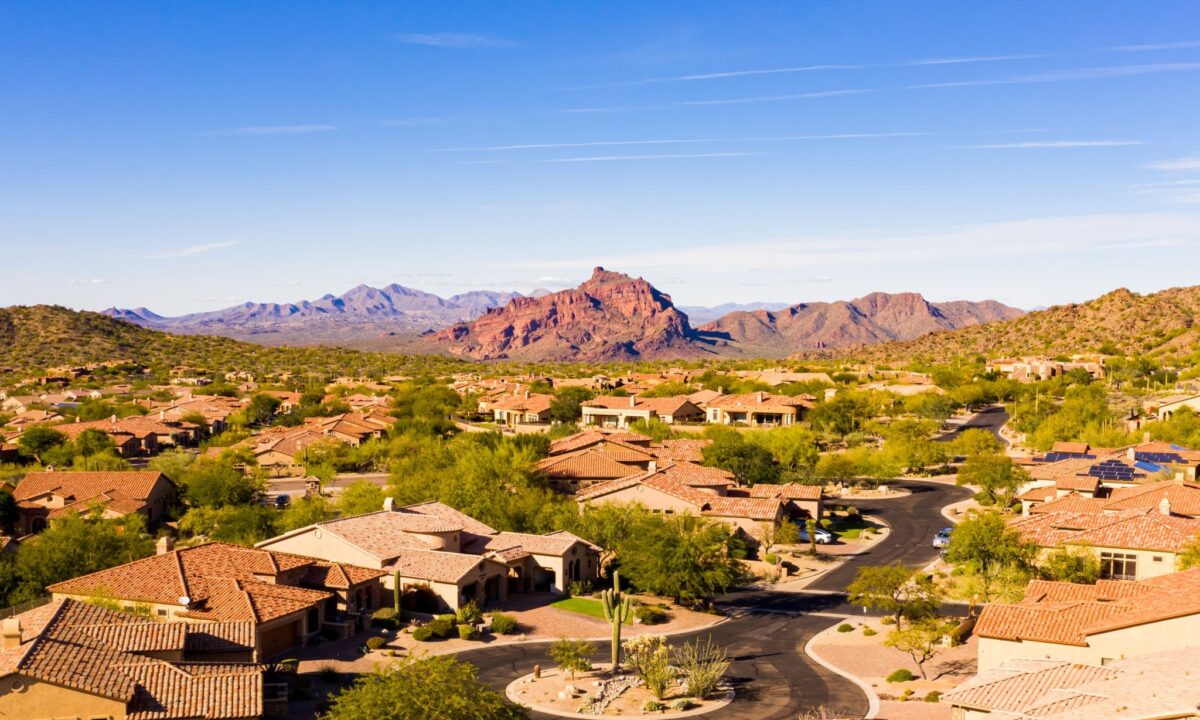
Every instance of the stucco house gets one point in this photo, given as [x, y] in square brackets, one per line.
[617, 412]
[44, 496]
[78, 660]
[444, 559]
[521, 408]
[757, 409]
[1092, 624]
[288, 598]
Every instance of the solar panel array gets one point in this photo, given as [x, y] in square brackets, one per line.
[1056, 456]
[1111, 470]
[1159, 458]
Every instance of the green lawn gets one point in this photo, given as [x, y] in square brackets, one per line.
[848, 529]
[583, 606]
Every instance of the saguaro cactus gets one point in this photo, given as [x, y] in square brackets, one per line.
[617, 609]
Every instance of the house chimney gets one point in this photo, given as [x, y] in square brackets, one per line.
[1145, 437]
[760, 395]
[1131, 454]
[11, 632]
[389, 504]
[632, 401]
[652, 466]
[164, 545]
[113, 418]
[1164, 505]
[162, 414]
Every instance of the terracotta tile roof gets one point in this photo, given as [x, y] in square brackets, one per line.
[223, 581]
[658, 405]
[1015, 693]
[576, 442]
[98, 651]
[1184, 498]
[762, 402]
[121, 491]
[1134, 529]
[694, 475]
[534, 403]
[789, 491]
[1055, 613]
[1070, 447]
[685, 450]
[445, 512]
[705, 503]
[1073, 503]
[1080, 483]
[384, 534]
[557, 544]
[591, 462]
[1042, 494]
[436, 566]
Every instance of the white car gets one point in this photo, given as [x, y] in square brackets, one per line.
[824, 537]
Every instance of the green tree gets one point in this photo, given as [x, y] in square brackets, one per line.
[77, 545]
[237, 524]
[976, 441]
[837, 467]
[684, 557]
[566, 405]
[1190, 557]
[920, 640]
[898, 590]
[304, 512]
[1074, 565]
[750, 464]
[653, 428]
[996, 476]
[988, 548]
[93, 442]
[416, 689]
[360, 498]
[261, 409]
[173, 464]
[214, 482]
[794, 448]
[38, 440]
[572, 655]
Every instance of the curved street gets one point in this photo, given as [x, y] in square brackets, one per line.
[767, 630]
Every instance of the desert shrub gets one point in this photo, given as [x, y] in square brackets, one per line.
[385, 618]
[845, 627]
[422, 634]
[887, 620]
[906, 694]
[467, 632]
[702, 665]
[329, 673]
[572, 655]
[868, 632]
[683, 704]
[899, 676]
[653, 706]
[651, 615]
[469, 613]
[656, 671]
[771, 558]
[441, 626]
[933, 696]
[374, 643]
[504, 624]
[579, 588]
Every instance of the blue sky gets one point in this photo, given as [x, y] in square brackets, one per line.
[192, 155]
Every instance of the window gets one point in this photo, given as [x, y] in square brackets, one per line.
[1118, 566]
[162, 612]
[1158, 558]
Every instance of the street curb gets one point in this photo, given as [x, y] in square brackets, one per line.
[879, 538]
[872, 698]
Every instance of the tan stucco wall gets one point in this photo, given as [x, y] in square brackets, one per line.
[1147, 566]
[40, 700]
[1163, 636]
[649, 497]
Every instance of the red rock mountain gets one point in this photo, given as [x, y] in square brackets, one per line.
[875, 318]
[611, 316]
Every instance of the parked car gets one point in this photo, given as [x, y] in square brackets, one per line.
[824, 537]
[942, 538]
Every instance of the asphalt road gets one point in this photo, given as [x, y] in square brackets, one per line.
[767, 631]
[990, 419]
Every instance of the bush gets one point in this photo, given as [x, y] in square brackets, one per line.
[702, 665]
[845, 627]
[385, 618]
[579, 587]
[904, 696]
[504, 624]
[771, 558]
[441, 627]
[329, 673]
[683, 704]
[899, 676]
[651, 615]
[887, 620]
[653, 706]
[469, 613]
[933, 696]
[422, 634]
[374, 643]
[467, 632]
[868, 632]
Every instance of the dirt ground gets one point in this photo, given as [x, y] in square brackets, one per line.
[867, 658]
[543, 694]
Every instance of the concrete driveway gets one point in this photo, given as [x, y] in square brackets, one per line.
[768, 630]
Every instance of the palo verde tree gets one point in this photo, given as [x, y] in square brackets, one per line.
[899, 590]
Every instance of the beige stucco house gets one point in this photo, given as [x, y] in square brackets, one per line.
[618, 412]
[758, 409]
[44, 496]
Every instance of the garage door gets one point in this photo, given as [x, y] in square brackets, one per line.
[277, 640]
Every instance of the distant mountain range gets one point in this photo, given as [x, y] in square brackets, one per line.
[610, 316]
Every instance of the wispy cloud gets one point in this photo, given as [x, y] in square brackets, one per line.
[920, 62]
[673, 156]
[1184, 163]
[90, 281]
[1091, 73]
[774, 98]
[889, 246]
[456, 41]
[682, 141]
[191, 250]
[261, 130]
[1057, 144]
[411, 122]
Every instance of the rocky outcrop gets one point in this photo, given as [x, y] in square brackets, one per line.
[611, 316]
